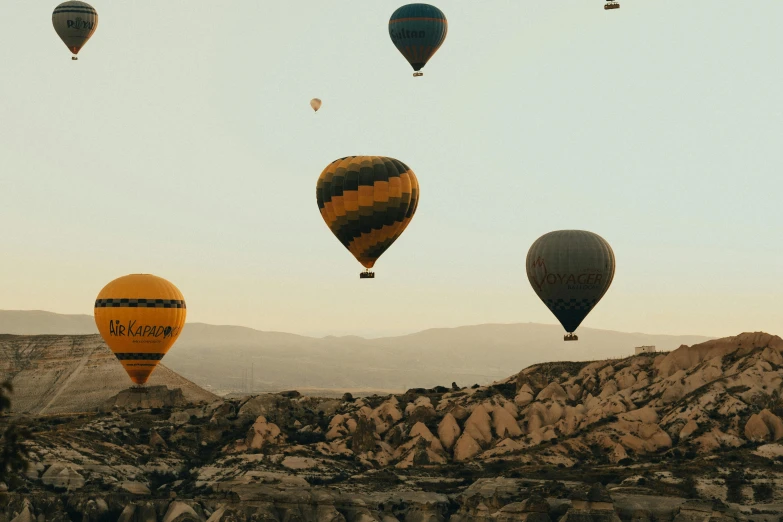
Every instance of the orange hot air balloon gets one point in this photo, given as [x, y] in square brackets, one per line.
[140, 316]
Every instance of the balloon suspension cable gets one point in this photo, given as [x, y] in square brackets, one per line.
[570, 337]
[367, 274]
[417, 74]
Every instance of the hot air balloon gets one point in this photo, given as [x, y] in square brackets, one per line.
[570, 270]
[140, 317]
[75, 22]
[315, 103]
[418, 31]
[367, 202]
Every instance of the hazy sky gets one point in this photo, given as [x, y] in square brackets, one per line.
[182, 144]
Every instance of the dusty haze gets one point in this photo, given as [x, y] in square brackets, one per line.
[237, 359]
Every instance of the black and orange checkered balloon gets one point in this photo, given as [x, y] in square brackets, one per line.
[367, 202]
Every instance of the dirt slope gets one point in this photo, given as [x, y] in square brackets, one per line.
[72, 373]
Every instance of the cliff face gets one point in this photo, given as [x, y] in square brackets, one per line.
[695, 434]
[55, 374]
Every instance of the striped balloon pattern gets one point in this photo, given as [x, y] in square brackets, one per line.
[570, 270]
[75, 22]
[418, 31]
[140, 316]
[367, 202]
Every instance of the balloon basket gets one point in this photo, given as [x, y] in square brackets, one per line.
[417, 74]
[570, 337]
[612, 5]
[74, 58]
[367, 275]
[139, 388]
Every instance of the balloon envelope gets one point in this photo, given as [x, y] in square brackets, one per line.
[418, 31]
[367, 202]
[140, 316]
[570, 270]
[315, 103]
[75, 22]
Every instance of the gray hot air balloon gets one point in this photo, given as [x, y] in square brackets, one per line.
[570, 270]
[75, 22]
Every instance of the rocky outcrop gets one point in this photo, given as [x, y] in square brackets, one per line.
[687, 357]
[764, 426]
[448, 431]
[62, 475]
[260, 434]
[532, 509]
[712, 511]
[146, 397]
[594, 505]
[466, 448]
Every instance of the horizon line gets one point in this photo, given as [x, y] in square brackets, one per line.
[372, 337]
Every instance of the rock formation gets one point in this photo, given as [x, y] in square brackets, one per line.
[648, 437]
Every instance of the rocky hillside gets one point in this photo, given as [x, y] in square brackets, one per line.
[72, 373]
[694, 434]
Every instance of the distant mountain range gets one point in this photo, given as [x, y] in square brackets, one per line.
[38, 322]
[237, 359]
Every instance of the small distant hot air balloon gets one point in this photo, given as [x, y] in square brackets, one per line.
[140, 316]
[570, 270]
[315, 103]
[367, 202]
[75, 22]
[418, 31]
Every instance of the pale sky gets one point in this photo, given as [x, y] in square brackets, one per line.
[182, 144]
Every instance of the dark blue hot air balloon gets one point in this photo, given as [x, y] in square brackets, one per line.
[418, 31]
